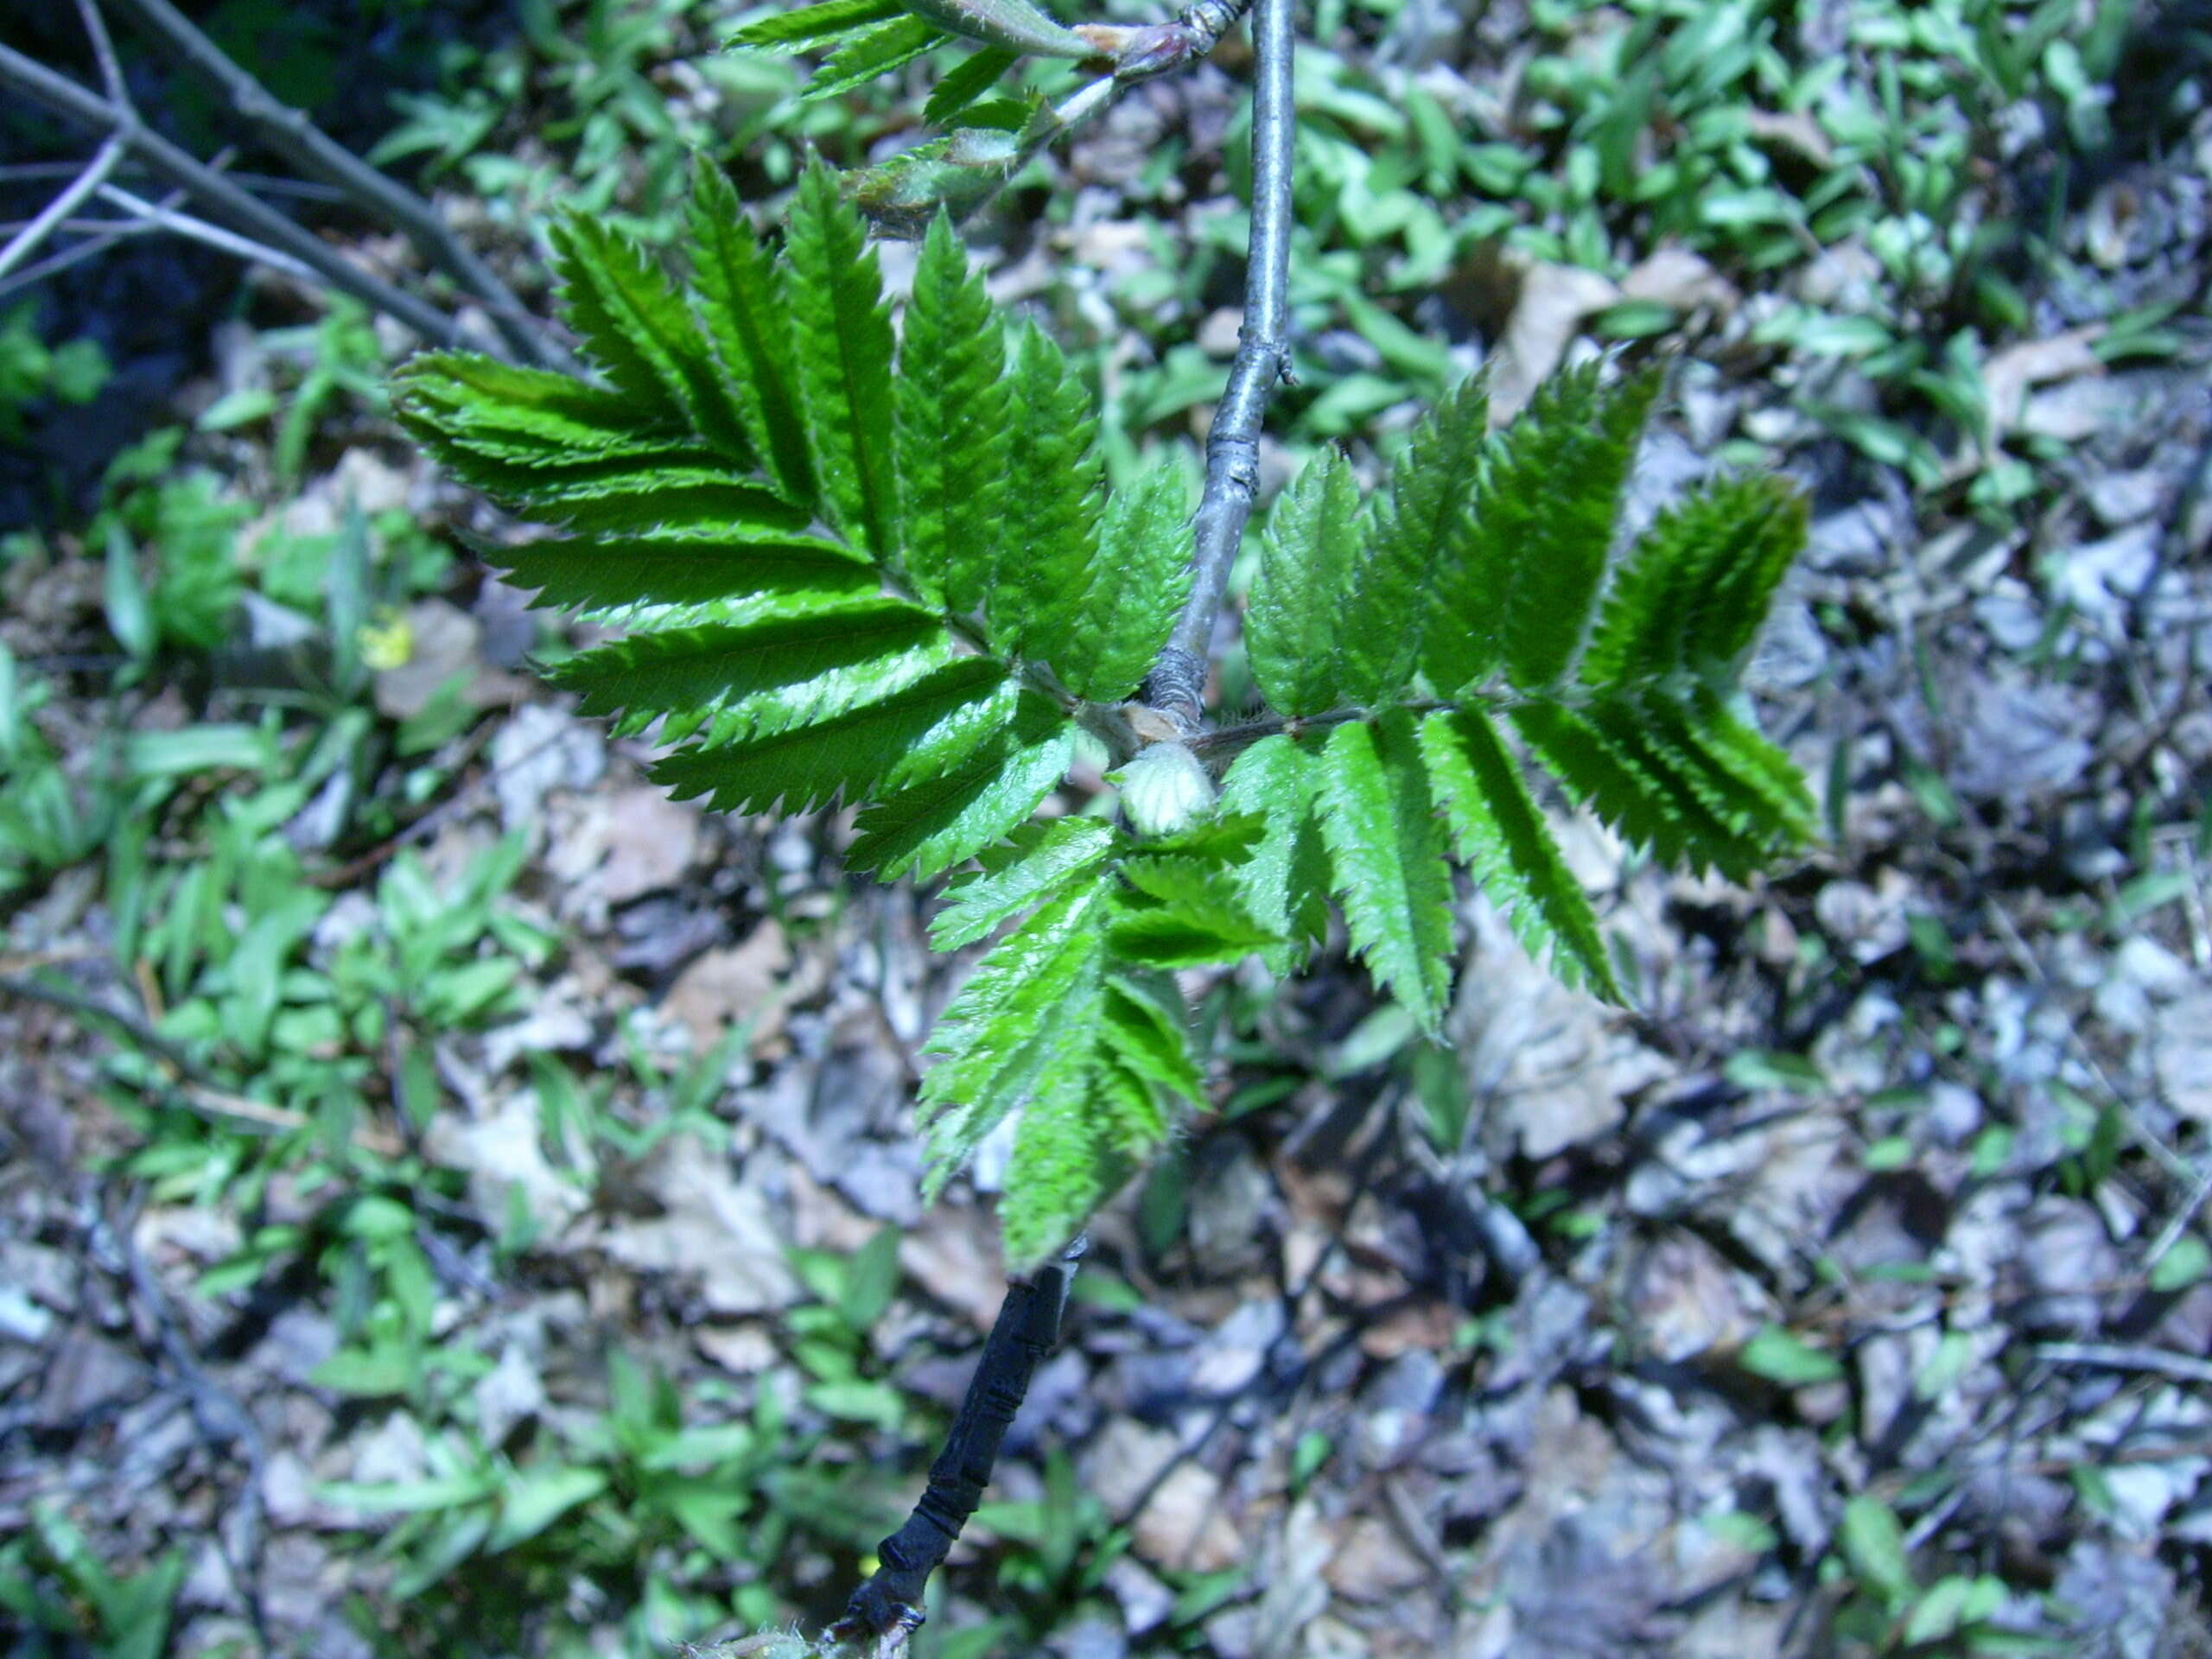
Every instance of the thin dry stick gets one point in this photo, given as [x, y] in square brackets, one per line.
[299, 141]
[220, 197]
[2127, 1356]
[56, 212]
[97, 240]
[1177, 684]
[153, 216]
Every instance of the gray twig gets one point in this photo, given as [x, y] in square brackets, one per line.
[1177, 684]
[56, 212]
[219, 196]
[2127, 1356]
[299, 141]
[154, 216]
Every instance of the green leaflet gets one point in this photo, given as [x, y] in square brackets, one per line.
[1295, 622]
[669, 502]
[1032, 1003]
[1042, 858]
[957, 173]
[636, 327]
[1694, 590]
[1386, 851]
[1051, 533]
[1707, 792]
[1184, 912]
[932, 825]
[1137, 585]
[877, 51]
[1503, 839]
[530, 416]
[1065, 1164]
[1285, 880]
[967, 82]
[598, 573]
[843, 332]
[810, 25]
[1145, 1024]
[1416, 544]
[1095, 1085]
[741, 295]
[924, 731]
[1542, 527]
[772, 674]
[954, 449]
[1011, 25]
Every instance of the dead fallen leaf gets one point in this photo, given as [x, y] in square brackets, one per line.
[955, 1253]
[1182, 1525]
[500, 1151]
[1554, 301]
[712, 1225]
[2009, 373]
[1794, 129]
[1427, 1324]
[726, 987]
[442, 640]
[2181, 1048]
[650, 843]
[1681, 278]
[1372, 1562]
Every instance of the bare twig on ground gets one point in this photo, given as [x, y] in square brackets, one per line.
[300, 141]
[2127, 1356]
[246, 225]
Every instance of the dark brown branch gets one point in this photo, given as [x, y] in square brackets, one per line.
[889, 1605]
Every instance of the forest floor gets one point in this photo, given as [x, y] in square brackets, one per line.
[549, 1273]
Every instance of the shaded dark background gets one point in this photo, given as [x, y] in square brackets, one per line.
[152, 300]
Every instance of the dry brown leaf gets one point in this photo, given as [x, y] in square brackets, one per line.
[1554, 301]
[1182, 1525]
[650, 843]
[1681, 278]
[722, 988]
[1372, 1562]
[442, 640]
[2009, 373]
[712, 1225]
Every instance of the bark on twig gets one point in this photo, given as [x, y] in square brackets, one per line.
[888, 1609]
[1177, 684]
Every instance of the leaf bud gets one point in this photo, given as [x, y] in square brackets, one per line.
[1167, 788]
